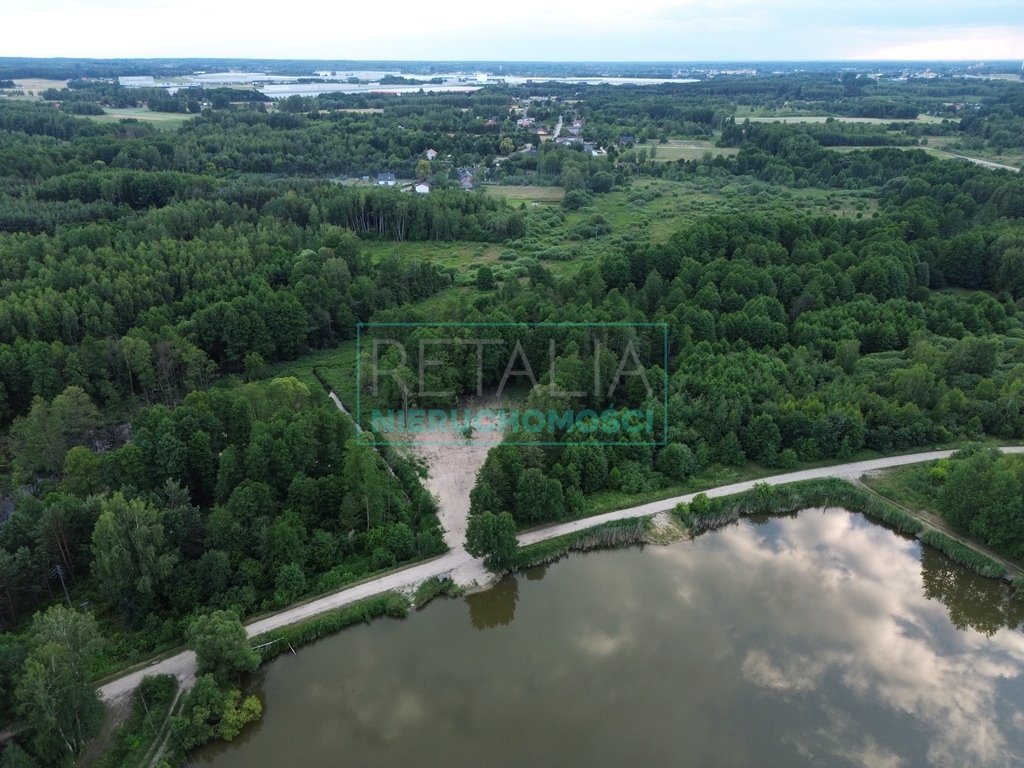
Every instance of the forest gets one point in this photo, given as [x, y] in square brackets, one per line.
[169, 452]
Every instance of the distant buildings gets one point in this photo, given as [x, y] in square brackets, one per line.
[386, 180]
[140, 81]
[431, 154]
[422, 188]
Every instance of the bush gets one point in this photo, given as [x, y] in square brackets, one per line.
[211, 713]
[151, 702]
[576, 199]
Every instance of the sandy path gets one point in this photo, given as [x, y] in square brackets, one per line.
[453, 461]
[466, 570]
[978, 161]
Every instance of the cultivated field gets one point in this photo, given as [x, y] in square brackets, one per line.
[36, 84]
[162, 120]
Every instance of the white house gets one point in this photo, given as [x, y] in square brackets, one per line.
[431, 154]
[422, 188]
[386, 180]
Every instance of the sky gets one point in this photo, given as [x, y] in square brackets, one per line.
[523, 30]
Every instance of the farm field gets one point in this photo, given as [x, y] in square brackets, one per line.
[161, 120]
[35, 84]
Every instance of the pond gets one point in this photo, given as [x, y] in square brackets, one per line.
[819, 639]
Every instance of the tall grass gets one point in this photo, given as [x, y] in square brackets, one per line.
[962, 554]
[282, 640]
[616, 533]
[705, 514]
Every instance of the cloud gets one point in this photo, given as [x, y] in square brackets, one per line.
[601, 30]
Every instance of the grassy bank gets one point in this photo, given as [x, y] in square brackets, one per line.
[704, 514]
[962, 554]
[435, 587]
[617, 533]
[274, 643]
[142, 735]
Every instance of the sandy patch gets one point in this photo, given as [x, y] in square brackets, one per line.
[452, 461]
[665, 529]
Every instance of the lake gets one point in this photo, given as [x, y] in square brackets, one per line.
[814, 640]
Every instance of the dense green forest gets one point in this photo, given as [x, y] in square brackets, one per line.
[845, 291]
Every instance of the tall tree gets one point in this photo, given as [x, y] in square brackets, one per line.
[222, 647]
[131, 556]
[493, 537]
[54, 695]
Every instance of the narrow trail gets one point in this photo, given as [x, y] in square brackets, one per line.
[931, 520]
[466, 570]
[978, 161]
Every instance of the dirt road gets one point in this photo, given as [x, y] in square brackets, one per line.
[464, 569]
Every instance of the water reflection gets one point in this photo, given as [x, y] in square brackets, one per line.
[807, 641]
[845, 614]
[972, 601]
[496, 607]
[536, 573]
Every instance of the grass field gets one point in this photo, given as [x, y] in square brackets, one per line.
[36, 84]
[922, 118]
[450, 254]
[689, 150]
[950, 145]
[527, 193]
[162, 120]
[1010, 161]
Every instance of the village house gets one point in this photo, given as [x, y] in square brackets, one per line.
[422, 188]
[386, 180]
[431, 154]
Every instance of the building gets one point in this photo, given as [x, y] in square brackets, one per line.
[627, 138]
[386, 180]
[431, 154]
[139, 81]
[422, 188]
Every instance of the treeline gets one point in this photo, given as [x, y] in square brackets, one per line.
[980, 491]
[150, 307]
[793, 339]
[771, 136]
[245, 499]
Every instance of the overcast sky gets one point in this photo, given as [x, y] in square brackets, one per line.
[594, 30]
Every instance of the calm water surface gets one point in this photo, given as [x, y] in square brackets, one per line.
[816, 640]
